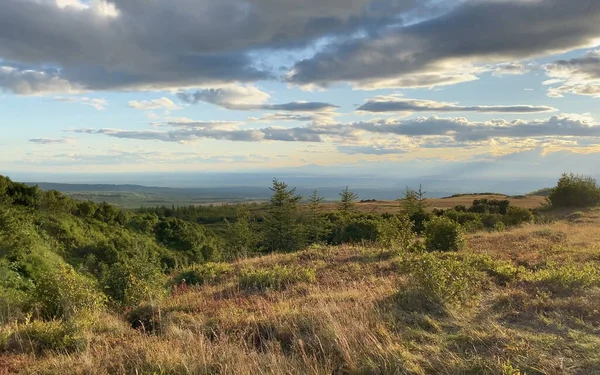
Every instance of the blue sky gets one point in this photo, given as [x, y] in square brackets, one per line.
[237, 85]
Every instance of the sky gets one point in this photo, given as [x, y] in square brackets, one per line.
[420, 86]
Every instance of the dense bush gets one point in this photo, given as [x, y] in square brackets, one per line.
[517, 216]
[396, 232]
[64, 294]
[565, 278]
[40, 337]
[442, 279]
[575, 191]
[276, 278]
[443, 234]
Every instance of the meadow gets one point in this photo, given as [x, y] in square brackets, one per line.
[511, 299]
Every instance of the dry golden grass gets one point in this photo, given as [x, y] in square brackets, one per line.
[363, 316]
[380, 207]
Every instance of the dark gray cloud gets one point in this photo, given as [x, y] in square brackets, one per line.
[395, 104]
[443, 50]
[147, 45]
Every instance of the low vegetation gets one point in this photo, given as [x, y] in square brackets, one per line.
[489, 288]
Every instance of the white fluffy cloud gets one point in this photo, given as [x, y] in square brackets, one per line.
[162, 103]
[580, 76]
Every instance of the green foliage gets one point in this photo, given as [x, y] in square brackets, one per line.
[490, 206]
[283, 231]
[276, 278]
[187, 238]
[39, 337]
[358, 229]
[347, 204]
[134, 282]
[517, 216]
[317, 225]
[396, 232]
[199, 274]
[242, 238]
[64, 294]
[412, 202]
[442, 279]
[575, 191]
[443, 234]
[566, 277]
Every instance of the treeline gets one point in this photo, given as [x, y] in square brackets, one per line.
[289, 222]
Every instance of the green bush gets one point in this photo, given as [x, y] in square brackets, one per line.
[133, 282]
[441, 279]
[517, 216]
[203, 273]
[443, 234]
[566, 277]
[40, 337]
[64, 294]
[575, 191]
[396, 232]
[276, 278]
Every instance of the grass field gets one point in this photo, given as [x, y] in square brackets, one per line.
[525, 301]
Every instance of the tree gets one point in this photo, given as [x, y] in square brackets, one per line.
[283, 231]
[413, 205]
[241, 234]
[317, 226]
[413, 201]
[347, 203]
[575, 191]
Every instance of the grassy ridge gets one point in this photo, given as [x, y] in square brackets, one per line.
[521, 301]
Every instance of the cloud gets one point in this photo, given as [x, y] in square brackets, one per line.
[389, 136]
[34, 82]
[51, 141]
[579, 76]
[317, 118]
[395, 104]
[451, 48]
[162, 103]
[99, 104]
[247, 98]
[168, 44]
[514, 68]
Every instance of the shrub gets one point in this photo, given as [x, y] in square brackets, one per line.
[565, 278]
[517, 216]
[133, 282]
[490, 220]
[63, 293]
[276, 278]
[442, 279]
[575, 191]
[396, 232]
[203, 273]
[40, 337]
[442, 234]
